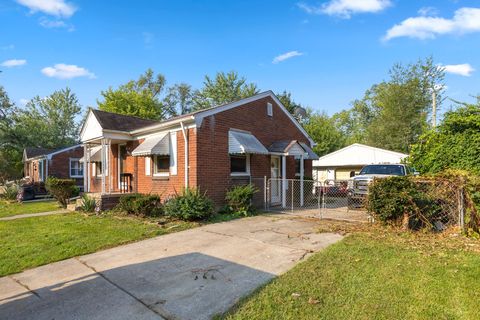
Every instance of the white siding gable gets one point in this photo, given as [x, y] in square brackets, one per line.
[92, 128]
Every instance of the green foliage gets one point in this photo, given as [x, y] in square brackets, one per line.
[180, 98]
[10, 193]
[88, 204]
[139, 98]
[323, 131]
[224, 88]
[49, 122]
[143, 205]
[239, 200]
[454, 145]
[61, 189]
[389, 199]
[190, 205]
[394, 113]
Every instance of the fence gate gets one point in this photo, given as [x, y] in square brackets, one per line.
[324, 199]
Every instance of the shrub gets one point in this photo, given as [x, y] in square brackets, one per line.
[10, 193]
[75, 191]
[239, 200]
[143, 205]
[88, 204]
[190, 205]
[60, 189]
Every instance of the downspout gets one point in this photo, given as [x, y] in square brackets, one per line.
[185, 140]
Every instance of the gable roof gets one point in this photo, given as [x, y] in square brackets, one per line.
[199, 115]
[120, 122]
[358, 155]
[32, 152]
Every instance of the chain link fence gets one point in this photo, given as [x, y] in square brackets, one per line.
[335, 199]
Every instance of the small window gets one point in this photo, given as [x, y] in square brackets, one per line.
[269, 109]
[161, 165]
[76, 168]
[239, 165]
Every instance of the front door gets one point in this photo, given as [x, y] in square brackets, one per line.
[122, 164]
[275, 182]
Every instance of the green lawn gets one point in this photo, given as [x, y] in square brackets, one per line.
[8, 209]
[375, 276]
[31, 242]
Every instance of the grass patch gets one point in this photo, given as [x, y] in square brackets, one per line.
[36, 241]
[376, 274]
[31, 242]
[8, 209]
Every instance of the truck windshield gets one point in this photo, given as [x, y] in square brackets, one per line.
[393, 170]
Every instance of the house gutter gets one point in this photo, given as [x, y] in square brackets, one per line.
[185, 140]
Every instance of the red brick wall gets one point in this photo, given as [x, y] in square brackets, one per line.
[59, 165]
[213, 160]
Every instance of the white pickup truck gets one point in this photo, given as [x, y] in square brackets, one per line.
[360, 184]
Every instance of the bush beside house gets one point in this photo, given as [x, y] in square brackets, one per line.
[61, 189]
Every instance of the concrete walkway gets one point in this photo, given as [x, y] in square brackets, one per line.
[193, 274]
[29, 215]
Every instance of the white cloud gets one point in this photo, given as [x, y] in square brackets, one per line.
[428, 11]
[49, 24]
[58, 8]
[286, 56]
[67, 71]
[465, 20]
[346, 8]
[13, 63]
[464, 69]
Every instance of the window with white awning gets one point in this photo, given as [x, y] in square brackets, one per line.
[241, 142]
[157, 145]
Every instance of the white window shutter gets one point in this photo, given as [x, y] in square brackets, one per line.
[148, 166]
[173, 153]
[94, 171]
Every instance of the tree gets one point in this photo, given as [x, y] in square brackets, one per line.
[300, 113]
[327, 136]
[139, 98]
[455, 144]
[394, 113]
[180, 98]
[224, 88]
[44, 122]
[50, 122]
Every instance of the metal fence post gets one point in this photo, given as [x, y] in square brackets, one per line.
[293, 182]
[265, 192]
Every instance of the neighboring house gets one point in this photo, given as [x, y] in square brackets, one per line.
[40, 163]
[344, 163]
[211, 149]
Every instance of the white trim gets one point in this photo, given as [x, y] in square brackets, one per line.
[159, 174]
[50, 155]
[269, 109]
[70, 168]
[148, 166]
[247, 166]
[173, 154]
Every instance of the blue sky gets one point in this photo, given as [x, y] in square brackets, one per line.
[327, 52]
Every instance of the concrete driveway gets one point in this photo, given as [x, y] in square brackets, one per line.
[193, 274]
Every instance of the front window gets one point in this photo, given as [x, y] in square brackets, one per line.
[76, 168]
[239, 165]
[161, 165]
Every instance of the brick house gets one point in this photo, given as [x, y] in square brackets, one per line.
[210, 149]
[40, 163]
